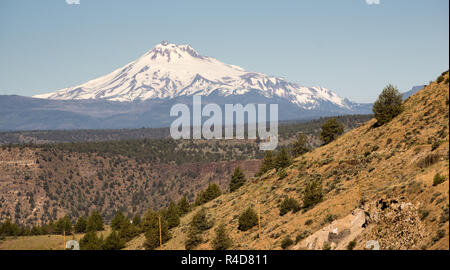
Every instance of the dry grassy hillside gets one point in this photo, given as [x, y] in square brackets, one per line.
[399, 205]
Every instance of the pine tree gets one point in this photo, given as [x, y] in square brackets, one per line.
[117, 221]
[91, 241]
[388, 105]
[300, 146]
[137, 224]
[9, 228]
[198, 225]
[237, 179]
[80, 226]
[128, 230]
[34, 230]
[222, 240]
[113, 242]
[172, 215]
[210, 193]
[331, 129]
[193, 239]
[150, 225]
[267, 164]
[64, 225]
[200, 221]
[137, 220]
[95, 222]
[283, 159]
[248, 219]
[183, 206]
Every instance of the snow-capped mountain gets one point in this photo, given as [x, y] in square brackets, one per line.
[169, 71]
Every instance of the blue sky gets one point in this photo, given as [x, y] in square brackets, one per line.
[348, 46]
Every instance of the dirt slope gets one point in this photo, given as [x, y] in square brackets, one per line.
[395, 163]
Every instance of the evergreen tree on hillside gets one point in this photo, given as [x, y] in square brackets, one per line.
[331, 129]
[193, 239]
[388, 105]
[63, 225]
[267, 164]
[91, 241]
[200, 221]
[210, 193]
[113, 242]
[222, 240]
[172, 215]
[117, 221]
[95, 222]
[137, 220]
[237, 179]
[283, 159]
[80, 226]
[198, 225]
[128, 230]
[300, 146]
[150, 225]
[183, 206]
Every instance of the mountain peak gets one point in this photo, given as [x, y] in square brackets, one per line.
[169, 70]
[171, 51]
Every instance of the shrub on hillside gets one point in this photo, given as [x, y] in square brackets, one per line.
[289, 204]
[248, 219]
[282, 174]
[302, 235]
[312, 194]
[388, 105]
[328, 219]
[438, 179]
[287, 242]
[351, 245]
[331, 129]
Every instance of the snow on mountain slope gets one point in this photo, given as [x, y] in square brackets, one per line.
[170, 70]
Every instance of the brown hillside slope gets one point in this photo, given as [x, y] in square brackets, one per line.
[37, 185]
[395, 163]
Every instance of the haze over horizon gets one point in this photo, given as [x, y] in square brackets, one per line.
[351, 47]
